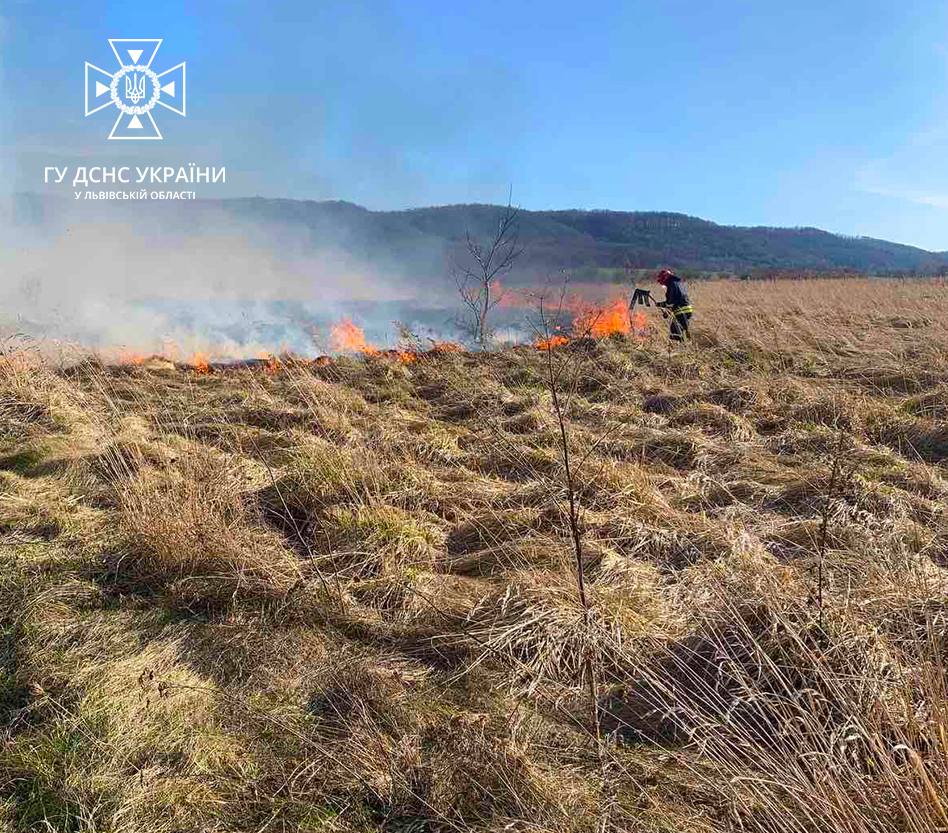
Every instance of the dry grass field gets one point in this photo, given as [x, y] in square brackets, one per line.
[345, 597]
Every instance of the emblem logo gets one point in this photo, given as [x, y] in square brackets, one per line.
[139, 92]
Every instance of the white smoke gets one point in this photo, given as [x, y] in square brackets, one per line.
[139, 280]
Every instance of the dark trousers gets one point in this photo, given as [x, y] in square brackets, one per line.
[679, 326]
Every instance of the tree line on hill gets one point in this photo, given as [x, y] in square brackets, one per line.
[590, 245]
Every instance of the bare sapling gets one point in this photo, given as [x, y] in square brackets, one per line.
[825, 515]
[477, 276]
[562, 373]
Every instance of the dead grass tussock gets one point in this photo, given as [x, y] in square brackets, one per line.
[782, 651]
[492, 529]
[38, 512]
[711, 494]
[665, 403]
[433, 599]
[932, 405]
[477, 398]
[528, 552]
[516, 463]
[332, 404]
[855, 497]
[375, 540]
[673, 447]
[97, 714]
[739, 399]
[786, 389]
[763, 674]
[426, 443]
[604, 485]
[456, 495]
[675, 541]
[920, 440]
[895, 380]
[531, 422]
[537, 621]
[99, 477]
[321, 475]
[825, 705]
[803, 538]
[836, 411]
[385, 743]
[714, 420]
[607, 416]
[915, 478]
[196, 524]
[927, 538]
[33, 398]
[811, 441]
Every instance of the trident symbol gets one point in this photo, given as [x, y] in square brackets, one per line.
[135, 90]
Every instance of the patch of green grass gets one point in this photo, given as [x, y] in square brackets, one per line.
[13, 694]
[386, 537]
[24, 463]
[36, 784]
[35, 806]
[319, 818]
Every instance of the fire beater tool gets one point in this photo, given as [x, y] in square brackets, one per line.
[643, 296]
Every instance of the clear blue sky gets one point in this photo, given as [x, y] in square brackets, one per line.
[830, 114]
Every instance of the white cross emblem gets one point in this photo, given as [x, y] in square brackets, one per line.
[141, 90]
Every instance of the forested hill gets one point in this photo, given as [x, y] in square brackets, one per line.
[582, 242]
[646, 239]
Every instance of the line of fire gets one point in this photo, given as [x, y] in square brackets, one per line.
[574, 316]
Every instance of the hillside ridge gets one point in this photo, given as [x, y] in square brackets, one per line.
[583, 242]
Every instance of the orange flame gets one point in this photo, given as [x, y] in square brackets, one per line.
[603, 321]
[124, 357]
[598, 311]
[346, 337]
[640, 324]
[200, 363]
[446, 346]
[592, 321]
[272, 365]
[551, 343]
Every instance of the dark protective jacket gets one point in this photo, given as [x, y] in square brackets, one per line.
[676, 295]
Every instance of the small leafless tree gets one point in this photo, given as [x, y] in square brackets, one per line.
[477, 279]
[563, 371]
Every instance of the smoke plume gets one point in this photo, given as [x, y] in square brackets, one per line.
[224, 280]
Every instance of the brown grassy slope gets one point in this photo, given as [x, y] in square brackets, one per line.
[344, 598]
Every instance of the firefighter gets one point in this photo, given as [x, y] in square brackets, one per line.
[676, 300]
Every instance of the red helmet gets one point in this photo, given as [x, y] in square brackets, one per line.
[663, 276]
